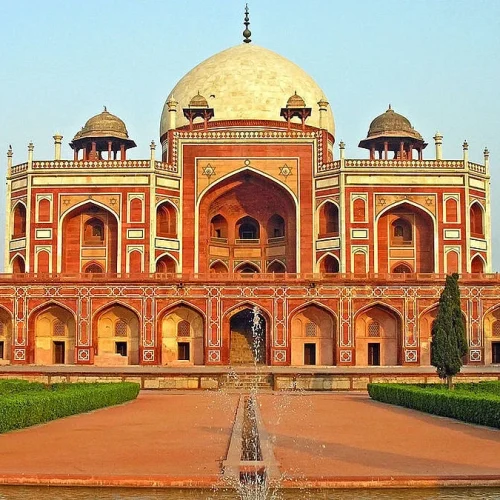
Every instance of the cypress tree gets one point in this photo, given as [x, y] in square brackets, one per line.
[449, 342]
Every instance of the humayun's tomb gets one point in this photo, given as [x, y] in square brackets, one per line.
[112, 261]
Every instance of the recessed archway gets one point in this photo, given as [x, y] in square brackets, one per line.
[181, 331]
[5, 336]
[247, 342]
[116, 336]
[53, 335]
[378, 337]
[313, 337]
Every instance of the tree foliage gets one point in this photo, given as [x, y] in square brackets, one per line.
[449, 342]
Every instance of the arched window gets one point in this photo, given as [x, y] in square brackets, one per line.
[374, 329]
[93, 232]
[328, 219]
[359, 210]
[218, 267]
[476, 220]
[276, 227]
[166, 221]
[402, 233]
[166, 265]
[218, 227]
[477, 265]
[402, 268]
[93, 268]
[19, 228]
[451, 210]
[276, 267]
[18, 265]
[248, 229]
[183, 329]
[329, 265]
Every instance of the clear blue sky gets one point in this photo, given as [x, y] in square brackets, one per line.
[435, 61]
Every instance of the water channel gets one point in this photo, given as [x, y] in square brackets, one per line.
[67, 493]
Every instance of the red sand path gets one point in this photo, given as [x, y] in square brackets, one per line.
[180, 438]
[349, 436]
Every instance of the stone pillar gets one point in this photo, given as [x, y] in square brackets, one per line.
[486, 158]
[57, 146]
[465, 147]
[438, 140]
[110, 146]
[323, 113]
[342, 150]
[152, 148]
[172, 113]
[9, 160]
[31, 147]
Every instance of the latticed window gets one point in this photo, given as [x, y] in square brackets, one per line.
[311, 329]
[496, 329]
[183, 329]
[374, 329]
[59, 329]
[121, 328]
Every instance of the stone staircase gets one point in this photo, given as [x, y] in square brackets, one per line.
[247, 381]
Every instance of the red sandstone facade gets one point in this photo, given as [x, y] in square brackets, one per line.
[113, 261]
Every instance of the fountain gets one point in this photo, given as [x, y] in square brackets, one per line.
[250, 466]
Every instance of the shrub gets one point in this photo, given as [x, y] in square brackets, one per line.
[32, 407]
[13, 386]
[473, 403]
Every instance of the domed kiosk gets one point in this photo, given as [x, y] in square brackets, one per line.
[102, 132]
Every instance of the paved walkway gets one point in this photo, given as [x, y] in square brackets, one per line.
[174, 438]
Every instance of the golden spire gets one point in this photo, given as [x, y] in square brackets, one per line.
[247, 33]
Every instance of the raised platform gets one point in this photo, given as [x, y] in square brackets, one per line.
[242, 377]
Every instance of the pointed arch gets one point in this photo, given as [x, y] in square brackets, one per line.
[166, 219]
[328, 219]
[476, 211]
[116, 346]
[6, 330]
[181, 333]
[276, 266]
[166, 263]
[19, 214]
[247, 267]
[218, 267]
[18, 264]
[478, 264]
[328, 263]
[72, 222]
[402, 268]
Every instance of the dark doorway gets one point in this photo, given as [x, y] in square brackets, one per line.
[59, 353]
[495, 352]
[248, 338]
[183, 351]
[309, 354]
[374, 354]
[121, 348]
[2, 349]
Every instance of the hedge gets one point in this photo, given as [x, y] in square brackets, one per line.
[13, 386]
[476, 404]
[32, 407]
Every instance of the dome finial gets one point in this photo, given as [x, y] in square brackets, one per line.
[246, 33]
[105, 109]
[390, 107]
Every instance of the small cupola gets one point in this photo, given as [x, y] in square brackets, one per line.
[392, 132]
[296, 108]
[198, 108]
[103, 135]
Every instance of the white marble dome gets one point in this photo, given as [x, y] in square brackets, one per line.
[246, 82]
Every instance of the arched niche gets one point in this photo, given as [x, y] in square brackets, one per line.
[329, 265]
[255, 208]
[166, 220]
[116, 334]
[477, 265]
[405, 234]
[218, 267]
[313, 337]
[276, 267]
[181, 336]
[87, 227]
[328, 220]
[378, 337]
[476, 220]
[18, 265]
[19, 221]
[247, 268]
[53, 335]
[166, 264]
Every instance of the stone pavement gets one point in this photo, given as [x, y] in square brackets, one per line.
[320, 439]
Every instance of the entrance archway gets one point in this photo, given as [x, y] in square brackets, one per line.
[5, 336]
[117, 330]
[313, 337]
[378, 337]
[247, 338]
[54, 336]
